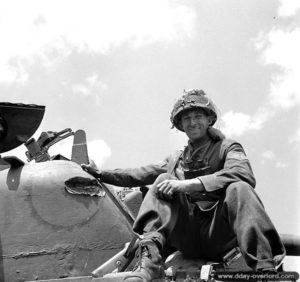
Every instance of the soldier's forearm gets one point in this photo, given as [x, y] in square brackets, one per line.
[194, 185]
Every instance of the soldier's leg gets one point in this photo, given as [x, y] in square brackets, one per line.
[239, 219]
[199, 234]
[256, 235]
[157, 218]
[155, 221]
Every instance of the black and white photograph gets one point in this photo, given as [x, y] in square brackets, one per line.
[149, 140]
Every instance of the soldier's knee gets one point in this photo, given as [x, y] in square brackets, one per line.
[239, 189]
[159, 179]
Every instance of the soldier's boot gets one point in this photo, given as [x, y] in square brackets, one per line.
[149, 265]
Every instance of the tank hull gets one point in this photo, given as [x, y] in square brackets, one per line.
[46, 231]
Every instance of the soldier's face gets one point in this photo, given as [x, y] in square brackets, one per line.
[195, 124]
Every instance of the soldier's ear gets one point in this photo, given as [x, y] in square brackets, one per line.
[210, 120]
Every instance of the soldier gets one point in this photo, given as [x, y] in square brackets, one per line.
[202, 199]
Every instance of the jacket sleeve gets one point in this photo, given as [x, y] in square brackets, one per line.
[236, 168]
[133, 177]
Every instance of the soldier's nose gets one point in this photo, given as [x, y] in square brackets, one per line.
[193, 121]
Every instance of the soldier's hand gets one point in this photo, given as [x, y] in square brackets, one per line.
[91, 169]
[167, 188]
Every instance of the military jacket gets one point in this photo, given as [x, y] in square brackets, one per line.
[216, 164]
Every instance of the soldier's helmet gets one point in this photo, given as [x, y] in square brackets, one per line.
[193, 99]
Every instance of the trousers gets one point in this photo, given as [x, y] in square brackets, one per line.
[238, 219]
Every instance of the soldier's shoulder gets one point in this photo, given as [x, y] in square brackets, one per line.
[227, 143]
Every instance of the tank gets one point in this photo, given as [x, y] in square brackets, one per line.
[47, 229]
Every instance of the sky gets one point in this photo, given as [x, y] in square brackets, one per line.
[115, 69]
